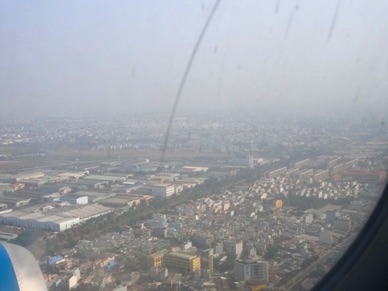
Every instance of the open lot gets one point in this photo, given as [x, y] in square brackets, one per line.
[68, 156]
[10, 166]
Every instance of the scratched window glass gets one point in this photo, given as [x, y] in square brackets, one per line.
[190, 145]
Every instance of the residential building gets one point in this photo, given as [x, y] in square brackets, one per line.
[233, 248]
[306, 174]
[278, 203]
[338, 168]
[219, 248]
[322, 175]
[292, 173]
[74, 278]
[277, 173]
[246, 270]
[342, 225]
[351, 163]
[203, 240]
[183, 263]
[156, 260]
[332, 163]
[302, 164]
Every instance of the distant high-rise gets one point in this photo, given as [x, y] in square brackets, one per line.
[302, 164]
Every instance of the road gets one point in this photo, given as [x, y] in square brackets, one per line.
[303, 274]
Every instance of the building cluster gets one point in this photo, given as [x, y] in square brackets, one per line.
[212, 134]
[275, 211]
[57, 200]
[256, 231]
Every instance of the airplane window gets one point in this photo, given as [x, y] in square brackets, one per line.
[190, 145]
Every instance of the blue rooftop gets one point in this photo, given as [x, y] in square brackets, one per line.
[55, 259]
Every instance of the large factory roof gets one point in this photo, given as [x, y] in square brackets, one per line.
[88, 211]
[82, 213]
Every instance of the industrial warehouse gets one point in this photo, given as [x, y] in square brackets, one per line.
[52, 221]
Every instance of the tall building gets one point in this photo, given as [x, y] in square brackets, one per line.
[351, 164]
[183, 263]
[306, 174]
[156, 260]
[211, 264]
[322, 175]
[302, 164]
[233, 248]
[338, 168]
[219, 248]
[276, 173]
[246, 270]
[332, 163]
[293, 173]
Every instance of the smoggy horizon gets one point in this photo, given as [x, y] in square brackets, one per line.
[95, 57]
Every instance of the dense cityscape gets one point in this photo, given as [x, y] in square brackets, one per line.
[238, 201]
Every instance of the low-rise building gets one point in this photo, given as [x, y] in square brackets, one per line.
[39, 220]
[74, 199]
[162, 190]
[326, 237]
[342, 225]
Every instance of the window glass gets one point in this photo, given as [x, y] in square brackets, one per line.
[190, 144]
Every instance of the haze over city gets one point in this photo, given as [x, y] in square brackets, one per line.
[129, 56]
[190, 145]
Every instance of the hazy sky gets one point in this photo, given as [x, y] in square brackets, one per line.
[76, 57]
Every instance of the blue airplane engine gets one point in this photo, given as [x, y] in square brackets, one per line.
[19, 271]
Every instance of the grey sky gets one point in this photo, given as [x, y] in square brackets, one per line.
[75, 57]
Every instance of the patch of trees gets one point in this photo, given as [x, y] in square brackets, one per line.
[271, 252]
[27, 237]
[308, 262]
